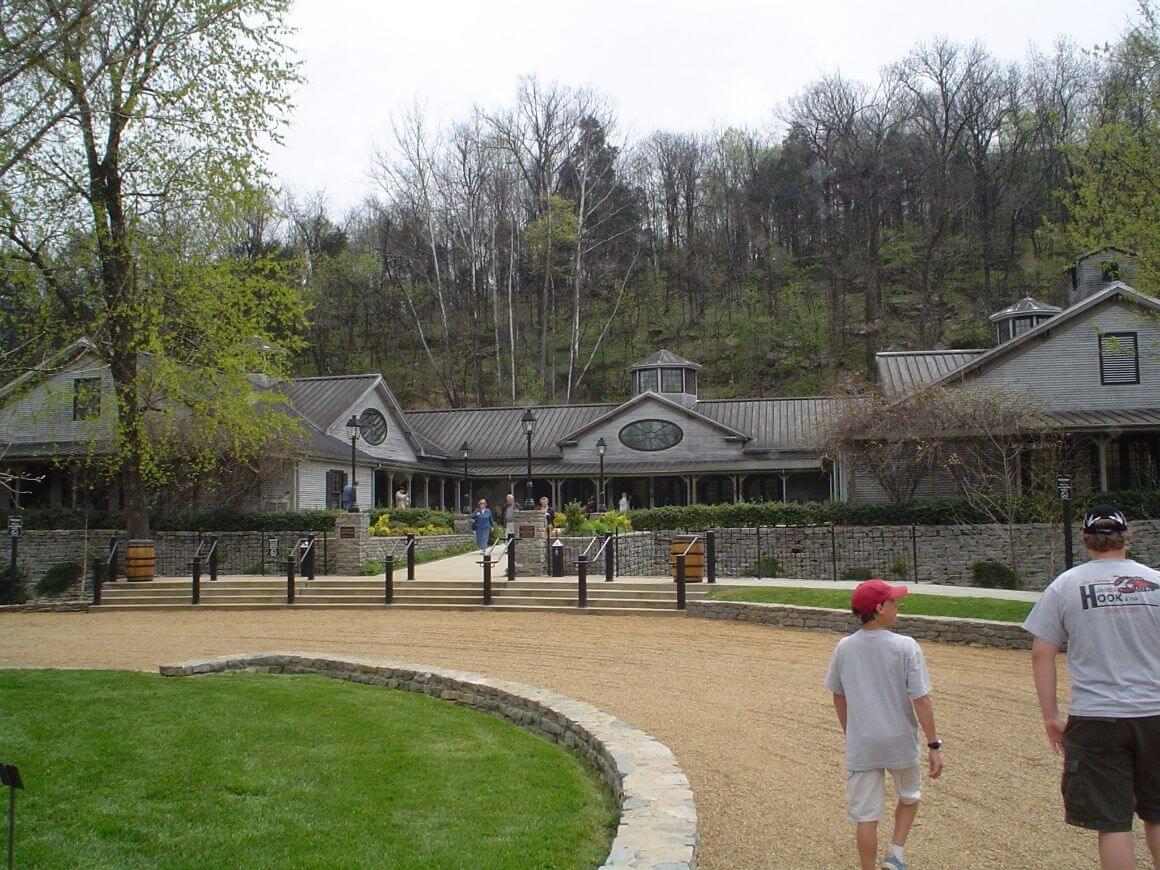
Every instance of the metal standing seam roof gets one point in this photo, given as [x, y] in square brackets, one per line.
[902, 372]
[1123, 419]
[1026, 305]
[664, 358]
[777, 424]
[496, 433]
[322, 400]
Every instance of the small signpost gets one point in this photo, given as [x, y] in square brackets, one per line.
[10, 776]
[15, 530]
[1063, 482]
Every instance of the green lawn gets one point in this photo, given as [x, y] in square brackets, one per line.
[999, 609]
[135, 770]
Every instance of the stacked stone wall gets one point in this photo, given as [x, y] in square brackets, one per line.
[972, 632]
[658, 818]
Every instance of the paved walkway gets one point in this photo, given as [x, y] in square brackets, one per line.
[742, 707]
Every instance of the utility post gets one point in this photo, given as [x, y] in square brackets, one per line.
[1063, 482]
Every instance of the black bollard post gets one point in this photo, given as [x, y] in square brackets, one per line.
[710, 557]
[195, 586]
[511, 565]
[558, 558]
[389, 580]
[410, 557]
[290, 576]
[680, 582]
[581, 580]
[310, 559]
[609, 563]
[486, 579]
[97, 578]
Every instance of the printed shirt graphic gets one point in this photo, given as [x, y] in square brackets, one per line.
[880, 673]
[1107, 611]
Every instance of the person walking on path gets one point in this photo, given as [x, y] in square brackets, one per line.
[549, 511]
[509, 514]
[481, 524]
[882, 695]
[1107, 611]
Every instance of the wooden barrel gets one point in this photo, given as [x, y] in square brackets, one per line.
[694, 559]
[140, 559]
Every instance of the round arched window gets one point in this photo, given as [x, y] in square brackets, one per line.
[651, 435]
[372, 426]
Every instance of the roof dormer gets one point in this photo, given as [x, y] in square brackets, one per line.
[668, 375]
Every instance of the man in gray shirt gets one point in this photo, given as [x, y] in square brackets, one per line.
[881, 695]
[1107, 611]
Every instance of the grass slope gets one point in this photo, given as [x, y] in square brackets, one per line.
[998, 609]
[134, 770]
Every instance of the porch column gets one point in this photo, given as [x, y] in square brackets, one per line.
[738, 488]
[651, 493]
[390, 490]
[1102, 448]
[690, 488]
[784, 487]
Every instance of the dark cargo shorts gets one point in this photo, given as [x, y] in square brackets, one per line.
[1111, 769]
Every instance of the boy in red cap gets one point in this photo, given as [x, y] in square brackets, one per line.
[881, 695]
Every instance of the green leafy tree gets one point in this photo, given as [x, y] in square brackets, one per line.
[167, 102]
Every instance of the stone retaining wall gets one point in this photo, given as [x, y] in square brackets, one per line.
[658, 819]
[970, 632]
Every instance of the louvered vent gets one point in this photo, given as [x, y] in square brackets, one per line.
[1119, 358]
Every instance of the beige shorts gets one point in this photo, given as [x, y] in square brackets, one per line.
[866, 791]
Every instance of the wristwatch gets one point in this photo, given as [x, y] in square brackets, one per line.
[934, 744]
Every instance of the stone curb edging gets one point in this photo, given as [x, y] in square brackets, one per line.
[658, 818]
[945, 629]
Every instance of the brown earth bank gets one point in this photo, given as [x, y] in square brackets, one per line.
[741, 706]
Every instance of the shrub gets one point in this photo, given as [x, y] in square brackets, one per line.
[6, 596]
[369, 569]
[994, 575]
[766, 566]
[61, 577]
[900, 568]
[858, 574]
[383, 527]
[574, 518]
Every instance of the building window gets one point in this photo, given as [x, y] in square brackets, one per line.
[671, 381]
[372, 426]
[691, 381]
[651, 435]
[1119, 358]
[648, 380]
[335, 481]
[87, 399]
[1021, 325]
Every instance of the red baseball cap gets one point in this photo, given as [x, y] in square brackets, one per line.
[869, 594]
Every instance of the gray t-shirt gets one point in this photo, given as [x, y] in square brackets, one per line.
[1107, 611]
[880, 673]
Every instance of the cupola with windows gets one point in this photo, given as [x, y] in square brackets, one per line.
[1024, 315]
[668, 375]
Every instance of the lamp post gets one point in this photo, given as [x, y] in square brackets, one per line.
[529, 423]
[352, 428]
[601, 446]
[465, 451]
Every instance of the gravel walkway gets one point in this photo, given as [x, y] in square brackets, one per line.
[741, 706]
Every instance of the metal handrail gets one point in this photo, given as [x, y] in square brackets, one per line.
[588, 549]
[487, 554]
[600, 552]
[691, 543]
[111, 559]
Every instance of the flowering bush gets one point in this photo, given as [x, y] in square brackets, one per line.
[382, 528]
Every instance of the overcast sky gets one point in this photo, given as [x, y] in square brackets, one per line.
[672, 65]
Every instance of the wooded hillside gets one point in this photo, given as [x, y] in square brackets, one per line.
[531, 251]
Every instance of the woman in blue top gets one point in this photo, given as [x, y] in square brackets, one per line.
[481, 521]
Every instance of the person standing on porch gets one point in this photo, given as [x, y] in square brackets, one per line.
[401, 500]
[625, 503]
[509, 514]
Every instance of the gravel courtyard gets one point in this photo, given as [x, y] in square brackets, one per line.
[741, 706]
